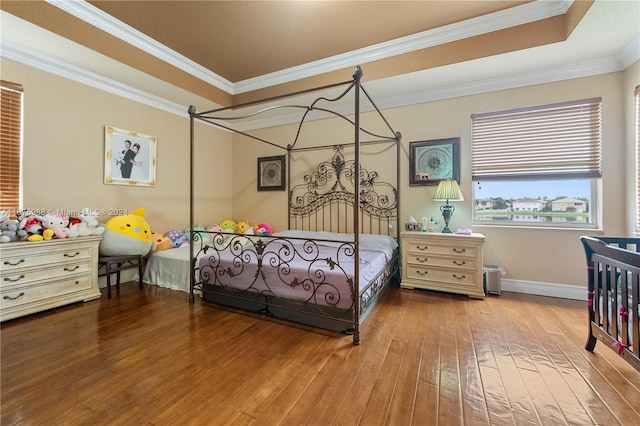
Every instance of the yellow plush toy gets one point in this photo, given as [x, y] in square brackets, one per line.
[242, 226]
[126, 235]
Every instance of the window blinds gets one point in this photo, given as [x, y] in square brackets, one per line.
[559, 141]
[10, 146]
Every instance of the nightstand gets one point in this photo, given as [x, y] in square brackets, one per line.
[443, 262]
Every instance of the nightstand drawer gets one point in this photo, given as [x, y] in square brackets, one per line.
[426, 247]
[428, 260]
[441, 275]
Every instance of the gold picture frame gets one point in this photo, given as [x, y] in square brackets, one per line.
[129, 158]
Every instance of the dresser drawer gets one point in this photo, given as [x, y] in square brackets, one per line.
[426, 247]
[415, 272]
[37, 257]
[452, 262]
[55, 271]
[33, 292]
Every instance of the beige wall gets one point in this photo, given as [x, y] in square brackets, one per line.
[64, 151]
[527, 254]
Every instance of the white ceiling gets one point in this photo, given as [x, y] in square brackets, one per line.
[606, 40]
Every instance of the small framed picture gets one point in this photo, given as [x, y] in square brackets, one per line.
[129, 158]
[271, 173]
[434, 160]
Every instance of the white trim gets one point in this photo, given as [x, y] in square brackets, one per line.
[25, 56]
[99, 19]
[514, 16]
[563, 291]
[511, 17]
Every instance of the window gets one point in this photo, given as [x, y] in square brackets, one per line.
[10, 146]
[637, 95]
[537, 166]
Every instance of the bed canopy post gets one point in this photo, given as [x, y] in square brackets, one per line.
[357, 75]
[192, 111]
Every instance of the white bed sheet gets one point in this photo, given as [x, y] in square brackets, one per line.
[169, 269]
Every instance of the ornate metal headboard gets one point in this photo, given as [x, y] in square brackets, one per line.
[325, 199]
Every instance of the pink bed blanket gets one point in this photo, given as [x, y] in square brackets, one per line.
[294, 266]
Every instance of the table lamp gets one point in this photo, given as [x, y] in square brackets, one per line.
[447, 190]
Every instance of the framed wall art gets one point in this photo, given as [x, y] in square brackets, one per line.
[434, 160]
[271, 172]
[129, 158]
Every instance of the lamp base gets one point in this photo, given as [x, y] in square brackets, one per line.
[447, 211]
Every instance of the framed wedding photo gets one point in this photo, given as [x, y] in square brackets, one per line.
[129, 158]
[434, 160]
[271, 173]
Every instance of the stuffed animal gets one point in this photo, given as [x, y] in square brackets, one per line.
[202, 234]
[29, 222]
[57, 223]
[228, 225]
[242, 226]
[214, 228]
[86, 224]
[125, 235]
[9, 229]
[177, 237]
[263, 229]
[160, 242]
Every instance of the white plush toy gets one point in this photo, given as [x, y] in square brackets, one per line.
[58, 223]
[88, 225]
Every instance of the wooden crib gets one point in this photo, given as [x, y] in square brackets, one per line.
[613, 266]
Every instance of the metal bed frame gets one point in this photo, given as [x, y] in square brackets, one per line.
[374, 199]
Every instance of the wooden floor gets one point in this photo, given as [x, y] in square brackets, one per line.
[149, 357]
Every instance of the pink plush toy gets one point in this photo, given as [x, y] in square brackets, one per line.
[58, 223]
[263, 229]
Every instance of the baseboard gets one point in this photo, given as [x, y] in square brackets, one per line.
[563, 291]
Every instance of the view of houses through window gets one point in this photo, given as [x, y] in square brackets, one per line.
[563, 202]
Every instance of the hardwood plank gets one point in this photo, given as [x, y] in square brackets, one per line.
[148, 356]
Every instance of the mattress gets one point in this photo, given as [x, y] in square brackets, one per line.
[300, 268]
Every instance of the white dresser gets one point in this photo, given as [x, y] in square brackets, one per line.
[40, 275]
[443, 262]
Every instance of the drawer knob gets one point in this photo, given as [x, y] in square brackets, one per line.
[423, 248]
[459, 262]
[14, 298]
[422, 272]
[71, 269]
[7, 262]
[459, 250]
[423, 260]
[13, 280]
[459, 277]
[71, 255]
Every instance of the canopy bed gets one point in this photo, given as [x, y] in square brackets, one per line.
[340, 251]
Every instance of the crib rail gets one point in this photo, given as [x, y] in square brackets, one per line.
[613, 266]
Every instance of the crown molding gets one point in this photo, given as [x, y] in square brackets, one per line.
[38, 60]
[107, 23]
[515, 16]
